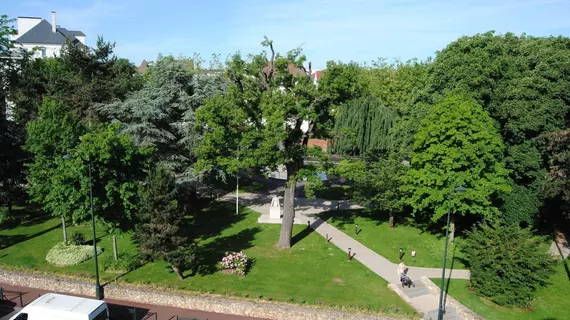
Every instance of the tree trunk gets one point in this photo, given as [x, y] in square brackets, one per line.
[178, 272]
[288, 209]
[115, 251]
[452, 228]
[391, 221]
[64, 229]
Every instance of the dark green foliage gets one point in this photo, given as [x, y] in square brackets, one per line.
[362, 127]
[81, 78]
[524, 84]
[520, 206]
[77, 238]
[508, 264]
[159, 229]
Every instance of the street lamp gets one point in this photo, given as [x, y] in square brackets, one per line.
[441, 309]
[237, 183]
[97, 285]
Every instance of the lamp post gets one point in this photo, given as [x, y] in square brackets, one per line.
[441, 309]
[97, 285]
[237, 183]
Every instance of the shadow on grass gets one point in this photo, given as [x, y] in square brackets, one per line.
[8, 241]
[306, 232]
[25, 217]
[209, 255]
[212, 220]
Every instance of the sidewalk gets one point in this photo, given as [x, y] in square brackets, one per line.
[306, 212]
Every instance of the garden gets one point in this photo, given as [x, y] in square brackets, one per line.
[271, 275]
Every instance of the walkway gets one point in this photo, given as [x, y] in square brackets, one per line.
[306, 212]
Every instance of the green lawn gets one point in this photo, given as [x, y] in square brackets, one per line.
[551, 302]
[313, 272]
[376, 234]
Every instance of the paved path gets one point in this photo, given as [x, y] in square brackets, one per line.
[306, 212]
[119, 310]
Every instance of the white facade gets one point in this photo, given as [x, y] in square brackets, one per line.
[42, 50]
[24, 24]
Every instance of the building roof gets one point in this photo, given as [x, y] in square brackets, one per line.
[42, 34]
[143, 67]
[78, 33]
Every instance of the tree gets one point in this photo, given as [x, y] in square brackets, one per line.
[362, 127]
[559, 168]
[161, 114]
[375, 183]
[505, 265]
[523, 83]
[118, 167]
[456, 144]
[49, 137]
[81, 78]
[158, 229]
[271, 109]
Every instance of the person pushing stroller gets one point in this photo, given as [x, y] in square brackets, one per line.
[404, 278]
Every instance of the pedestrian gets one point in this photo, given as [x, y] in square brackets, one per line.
[401, 268]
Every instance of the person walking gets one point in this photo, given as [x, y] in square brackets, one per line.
[401, 268]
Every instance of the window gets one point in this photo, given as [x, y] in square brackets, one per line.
[102, 315]
[43, 52]
[22, 316]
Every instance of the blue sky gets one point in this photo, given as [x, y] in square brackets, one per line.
[357, 30]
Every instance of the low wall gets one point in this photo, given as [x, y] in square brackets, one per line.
[463, 311]
[209, 303]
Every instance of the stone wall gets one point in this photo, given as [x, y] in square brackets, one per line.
[463, 311]
[210, 303]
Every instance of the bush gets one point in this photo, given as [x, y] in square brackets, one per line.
[125, 262]
[235, 262]
[77, 238]
[3, 213]
[63, 254]
[506, 264]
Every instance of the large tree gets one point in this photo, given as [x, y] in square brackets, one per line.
[62, 186]
[11, 134]
[53, 134]
[456, 144]
[523, 83]
[161, 114]
[160, 218]
[271, 109]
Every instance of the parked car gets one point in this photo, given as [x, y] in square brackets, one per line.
[52, 306]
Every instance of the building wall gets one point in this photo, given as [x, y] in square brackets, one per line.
[25, 24]
[51, 50]
[81, 39]
[324, 144]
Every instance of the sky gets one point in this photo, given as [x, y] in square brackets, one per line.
[342, 30]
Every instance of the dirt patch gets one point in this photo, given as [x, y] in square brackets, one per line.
[338, 280]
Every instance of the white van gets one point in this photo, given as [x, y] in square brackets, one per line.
[52, 306]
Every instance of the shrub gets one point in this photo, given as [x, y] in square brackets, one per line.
[506, 263]
[63, 254]
[236, 262]
[3, 213]
[77, 238]
[125, 262]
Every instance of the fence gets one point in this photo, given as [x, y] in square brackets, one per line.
[147, 316]
[10, 296]
[179, 318]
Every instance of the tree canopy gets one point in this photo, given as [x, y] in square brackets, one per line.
[456, 145]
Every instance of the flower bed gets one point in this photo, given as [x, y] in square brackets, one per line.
[235, 262]
[63, 254]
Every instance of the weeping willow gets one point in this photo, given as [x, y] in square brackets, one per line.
[362, 127]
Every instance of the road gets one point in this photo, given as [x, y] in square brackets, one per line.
[119, 310]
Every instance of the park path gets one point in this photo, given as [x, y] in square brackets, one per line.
[420, 297]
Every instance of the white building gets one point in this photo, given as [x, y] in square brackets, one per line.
[47, 38]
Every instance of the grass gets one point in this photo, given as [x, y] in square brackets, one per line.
[551, 302]
[375, 233]
[312, 272]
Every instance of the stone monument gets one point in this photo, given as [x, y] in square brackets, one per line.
[275, 209]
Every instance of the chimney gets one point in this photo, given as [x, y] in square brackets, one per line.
[53, 25]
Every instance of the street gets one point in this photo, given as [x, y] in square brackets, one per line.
[119, 310]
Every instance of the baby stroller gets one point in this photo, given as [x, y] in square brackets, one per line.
[406, 281]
